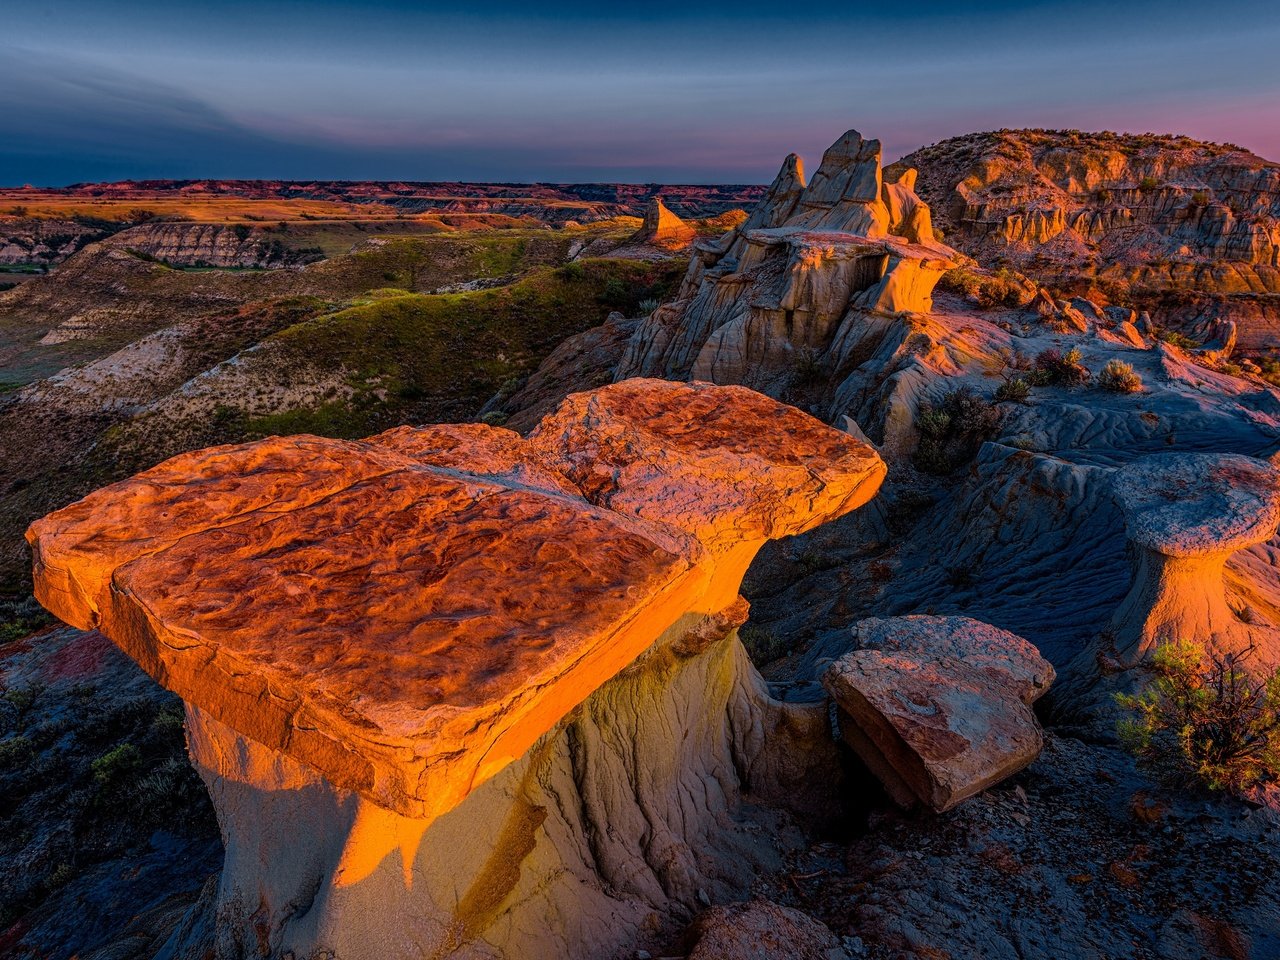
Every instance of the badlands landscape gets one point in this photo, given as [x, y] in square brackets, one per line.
[800, 572]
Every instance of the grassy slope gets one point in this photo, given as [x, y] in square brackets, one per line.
[408, 358]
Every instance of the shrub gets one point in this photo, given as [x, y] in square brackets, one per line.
[1119, 377]
[1180, 340]
[1148, 184]
[1004, 287]
[762, 644]
[1016, 390]
[1202, 720]
[647, 305]
[1200, 198]
[1103, 195]
[1061, 369]
[117, 765]
[952, 430]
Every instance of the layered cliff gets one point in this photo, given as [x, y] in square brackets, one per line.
[1152, 211]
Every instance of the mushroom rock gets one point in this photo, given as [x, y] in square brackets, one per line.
[939, 707]
[1185, 515]
[809, 259]
[662, 228]
[456, 693]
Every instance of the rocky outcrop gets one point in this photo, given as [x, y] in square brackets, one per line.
[938, 707]
[211, 245]
[662, 228]
[483, 684]
[784, 288]
[43, 241]
[1186, 515]
[1158, 211]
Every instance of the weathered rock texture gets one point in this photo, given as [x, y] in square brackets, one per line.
[483, 684]
[211, 245]
[761, 930]
[1160, 211]
[939, 707]
[1186, 515]
[788, 287]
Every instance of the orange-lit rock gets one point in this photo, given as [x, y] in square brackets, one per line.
[938, 707]
[1186, 514]
[386, 647]
[662, 228]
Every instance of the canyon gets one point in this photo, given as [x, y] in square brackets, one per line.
[676, 586]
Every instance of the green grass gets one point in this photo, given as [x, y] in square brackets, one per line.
[439, 357]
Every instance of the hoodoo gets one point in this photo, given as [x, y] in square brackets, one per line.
[457, 693]
[1186, 514]
[811, 263]
[662, 228]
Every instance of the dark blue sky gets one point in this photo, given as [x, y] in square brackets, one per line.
[690, 91]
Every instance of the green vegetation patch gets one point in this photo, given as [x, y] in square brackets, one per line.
[423, 357]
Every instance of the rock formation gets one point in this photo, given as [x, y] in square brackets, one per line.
[939, 707]
[1161, 211]
[1186, 515]
[486, 685]
[662, 228]
[788, 286]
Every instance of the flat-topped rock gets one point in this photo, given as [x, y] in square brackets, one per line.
[409, 613]
[978, 644]
[1189, 504]
[1185, 515]
[725, 464]
[939, 707]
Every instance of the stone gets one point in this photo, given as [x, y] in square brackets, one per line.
[939, 707]
[761, 930]
[978, 644]
[428, 672]
[1185, 515]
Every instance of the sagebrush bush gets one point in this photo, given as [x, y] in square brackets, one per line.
[1119, 377]
[1016, 390]
[952, 430]
[1203, 720]
[1053, 367]
[1003, 288]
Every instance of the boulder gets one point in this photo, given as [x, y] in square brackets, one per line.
[939, 707]
[761, 930]
[459, 693]
[978, 644]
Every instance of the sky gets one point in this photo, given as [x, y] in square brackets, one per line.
[696, 91]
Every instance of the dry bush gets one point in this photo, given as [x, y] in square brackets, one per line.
[1203, 720]
[1119, 377]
